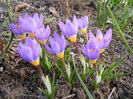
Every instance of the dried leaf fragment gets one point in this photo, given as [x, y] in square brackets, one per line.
[20, 7]
[55, 13]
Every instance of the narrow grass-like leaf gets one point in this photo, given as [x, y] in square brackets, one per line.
[118, 75]
[82, 83]
[112, 69]
[84, 86]
[120, 31]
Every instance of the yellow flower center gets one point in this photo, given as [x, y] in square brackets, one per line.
[61, 55]
[73, 38]
[43, 41]
[36, 63]
[92, 50]
[93, 61]
[84, 30]
[22, 37]
[18, 26]
[32, 35]
[99, 39]
[101, 51]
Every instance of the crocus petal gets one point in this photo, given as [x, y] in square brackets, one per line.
[38, 20]
[70, 28]
[36, 17]
[15, 30]
[36, 51]
[80, 24]
[91, 44]
[47, 32]
[49, 49]
[85, 21]
[29, 42]
[84, 50]
[108, 37]
[62, 26]
[26, 53]
[60, 40]
[99, 34]
[93, 55]
[62, 43]
[92, 37]
[75, 22]
[54, 45]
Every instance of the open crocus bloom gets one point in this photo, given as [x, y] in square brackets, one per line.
[29, 24]
[83, 24]
[91, 51]
[58, 45]
[42, 33]
[17, 31]
[102, 41]
[70, 29]
[30, 51]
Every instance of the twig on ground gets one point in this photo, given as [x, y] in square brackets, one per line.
[109, 97]
[69, 96]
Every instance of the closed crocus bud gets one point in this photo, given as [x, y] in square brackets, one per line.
[17, 30]
[30, 51]
[58, 45]
[91, 51]
[70, 29]
[42, 33]
[83, 24]
[103, 41]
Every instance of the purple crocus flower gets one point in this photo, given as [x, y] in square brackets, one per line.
[17, 31]
[70, 29]
[91, 51]
[42, 33]
[102, 41]
[58, 45]
[29, 24]
[83, 24]
[30, 51]
[38, 20]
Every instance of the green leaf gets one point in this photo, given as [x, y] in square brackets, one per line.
[84, 86]
[113, 68]
[44, 91]
[45, 60]
[118, 75]
[82, 83]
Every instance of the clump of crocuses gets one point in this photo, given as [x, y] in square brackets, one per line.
[27, 25]
[31, 50]
[96, 45]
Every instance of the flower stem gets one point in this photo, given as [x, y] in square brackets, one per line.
[64, 63]
[85, 35]
[12, 35]
[40, 70]
[75, 44]
[95, 68]
[101, 58]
